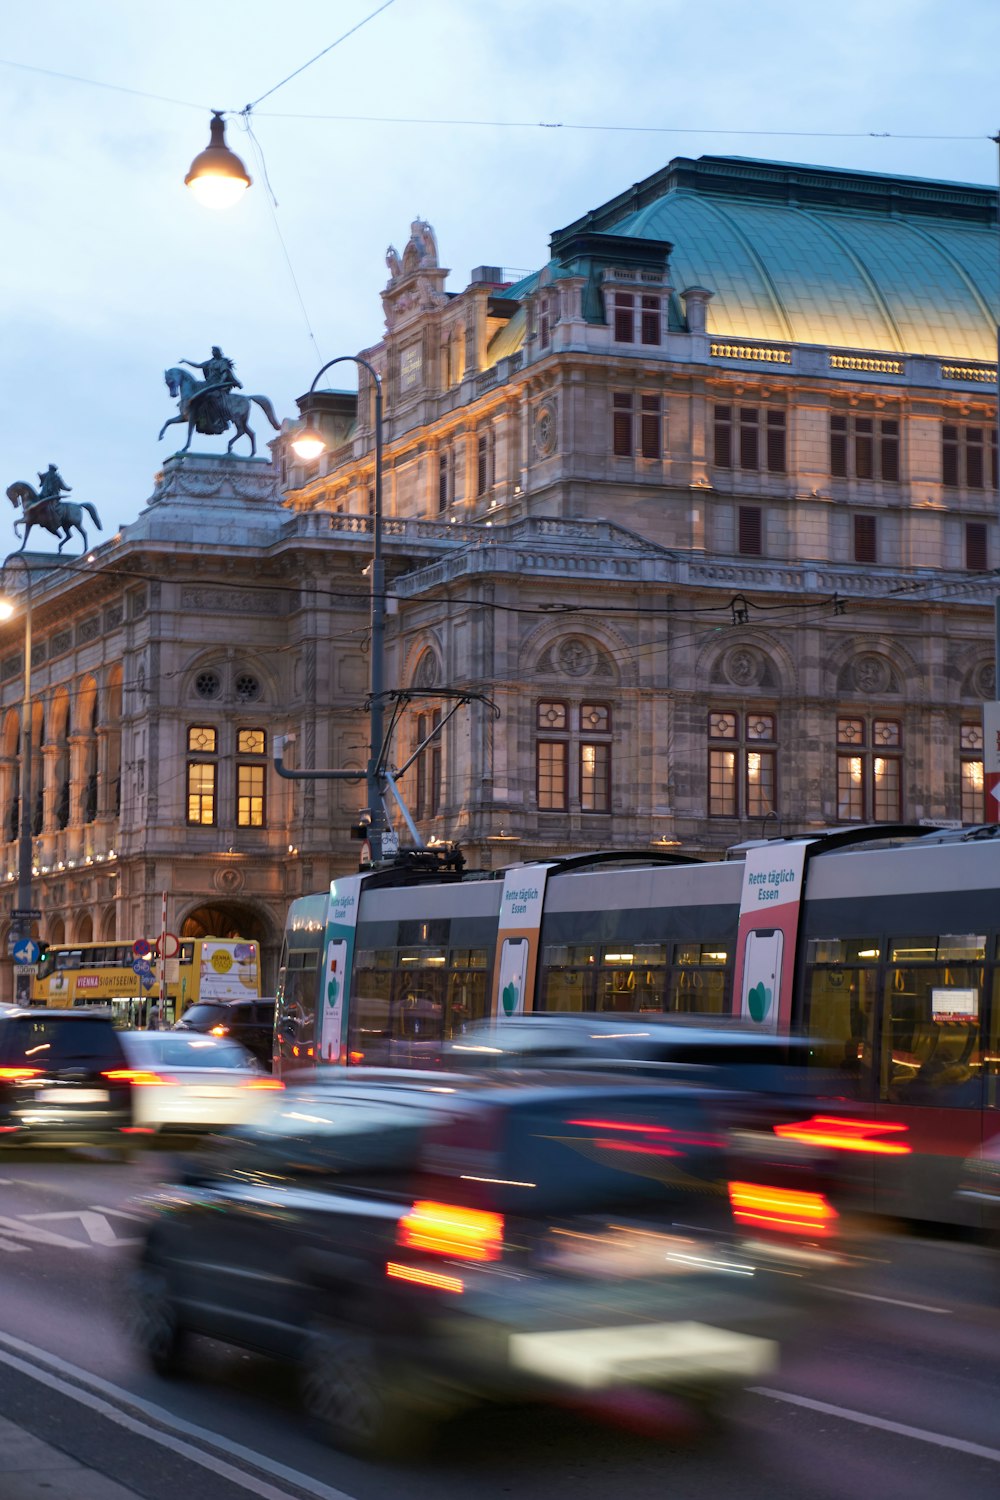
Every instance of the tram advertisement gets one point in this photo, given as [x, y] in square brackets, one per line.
[765, 944]
[338, 949]
[519, 922]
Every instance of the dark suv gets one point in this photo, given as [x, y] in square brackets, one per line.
[64, 1079]
[445, 1239]
[250, 1022]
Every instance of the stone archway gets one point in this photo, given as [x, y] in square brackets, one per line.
[237, 919]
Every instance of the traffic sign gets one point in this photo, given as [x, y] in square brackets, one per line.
[29, 969]
[25, 952]
[142, 948]
[142, 968]
[26, 914]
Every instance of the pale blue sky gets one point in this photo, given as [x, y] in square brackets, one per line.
[110, 271]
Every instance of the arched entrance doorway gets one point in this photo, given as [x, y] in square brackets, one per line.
[234, 919]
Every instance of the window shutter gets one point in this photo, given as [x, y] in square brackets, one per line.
[889, 452]
[650, 320]
[864, 539]
[974, 469]
[864, 448]
[776, 460]
[622, 426]
[949, 456]
[723, 437]
[975, 546]
[750, 530]
[838, 447]
[624, 318]
[649, 436]
[749, 438]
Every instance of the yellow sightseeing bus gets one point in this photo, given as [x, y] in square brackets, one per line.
[106, 973]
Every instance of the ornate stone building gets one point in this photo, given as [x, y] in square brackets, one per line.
[706, 508]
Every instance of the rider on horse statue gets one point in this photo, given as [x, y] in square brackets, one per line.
[52, 485]
[220, 378]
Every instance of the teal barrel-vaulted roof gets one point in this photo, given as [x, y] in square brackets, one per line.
[817, 255]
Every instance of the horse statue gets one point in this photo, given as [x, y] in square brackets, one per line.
[211, 407]
[61, 517]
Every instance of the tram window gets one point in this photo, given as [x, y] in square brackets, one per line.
[931, 1016]
[841, 986]
[952, 948]
[699, 980]
[567, 979]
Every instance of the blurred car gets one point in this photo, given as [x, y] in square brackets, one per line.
[767, 1085]
[65, 1079]
[189, 1083]
[444, 1240]
[249, 1022]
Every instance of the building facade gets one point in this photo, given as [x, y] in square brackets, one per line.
[703, 513]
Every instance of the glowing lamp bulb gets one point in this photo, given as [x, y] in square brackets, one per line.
[308, 444]
[217, 177]
[6, 609]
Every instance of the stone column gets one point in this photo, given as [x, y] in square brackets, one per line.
[8, 768]
[105, 796]
[50, 763]
[78, 744]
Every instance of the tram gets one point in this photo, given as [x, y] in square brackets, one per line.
[881, 945]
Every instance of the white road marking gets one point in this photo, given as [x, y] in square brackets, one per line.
[19, 1229]
[121, 1213]
[165, 1418]
[11, 1247]
[95, 1225]
[864, 1419]
[842, 1291]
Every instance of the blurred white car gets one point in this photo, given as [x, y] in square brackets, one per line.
[185, 1083]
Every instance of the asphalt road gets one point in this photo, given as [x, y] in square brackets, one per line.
[892, 1394]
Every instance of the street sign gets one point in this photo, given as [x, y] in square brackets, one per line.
[26, 914]
[25, 952]
[29, 969]
[142, 968]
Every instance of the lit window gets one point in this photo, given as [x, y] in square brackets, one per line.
[742, 774]
[869, 770]
[251, 741]
[971, 750]
[202, 739]
[250, 796]
[201, 779]
[587, 732]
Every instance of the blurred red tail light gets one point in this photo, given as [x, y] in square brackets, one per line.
[790, 1211]
[18, 1074]
[263, 1083]
[419, 1276]
[135, 1076]
[447, 1229]
[218, 1031]
[847, 1135]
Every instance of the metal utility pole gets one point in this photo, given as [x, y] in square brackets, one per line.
[382, 840]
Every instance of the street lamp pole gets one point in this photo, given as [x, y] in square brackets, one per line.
[22, 924]
[309, 445]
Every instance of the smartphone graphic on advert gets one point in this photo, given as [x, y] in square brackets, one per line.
[762, 976]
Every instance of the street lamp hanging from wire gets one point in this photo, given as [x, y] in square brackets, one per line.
[217, 176]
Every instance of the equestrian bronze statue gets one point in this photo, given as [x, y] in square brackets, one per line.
[45, 507]
[209, 406]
